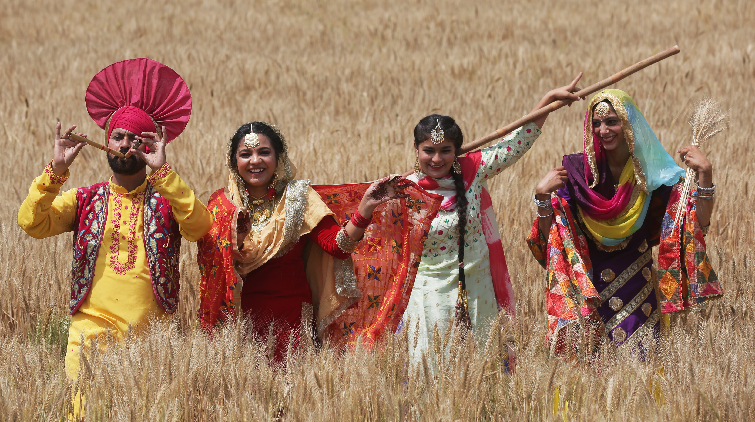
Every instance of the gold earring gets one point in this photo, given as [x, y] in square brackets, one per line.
[456, 166]
[274, 181]
[417, 170]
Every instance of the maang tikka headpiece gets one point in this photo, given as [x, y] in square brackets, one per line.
[602, 109]
[437, 135]
[251, 140]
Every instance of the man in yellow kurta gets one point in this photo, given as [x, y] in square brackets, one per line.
[127, 231]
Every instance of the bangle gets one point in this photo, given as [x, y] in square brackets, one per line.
[544, 204]
[344, 242]
[706, 193]
[711, 189]
[360, 221]
[546, 215]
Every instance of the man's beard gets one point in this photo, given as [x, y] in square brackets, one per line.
[126, 167]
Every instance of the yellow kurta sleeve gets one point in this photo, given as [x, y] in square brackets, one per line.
[189, 212]
[43, 213]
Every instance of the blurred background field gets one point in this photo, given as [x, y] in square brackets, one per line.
[346, 81]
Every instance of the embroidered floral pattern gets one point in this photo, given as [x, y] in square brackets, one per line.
[162, 240]
[690, 281]
[507, 151]
[443, 237]
[219, 283]
[385, 261]
[159, 174]
[91, 217]
[136, 203]
[681, 284]
[54, 178]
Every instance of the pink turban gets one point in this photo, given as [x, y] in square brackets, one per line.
[136, 94]
[132, 119]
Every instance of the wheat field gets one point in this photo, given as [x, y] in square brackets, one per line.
[347, 81]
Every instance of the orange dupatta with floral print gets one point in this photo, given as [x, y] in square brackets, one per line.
[386, 260]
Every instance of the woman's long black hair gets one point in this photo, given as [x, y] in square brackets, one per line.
[451, 132]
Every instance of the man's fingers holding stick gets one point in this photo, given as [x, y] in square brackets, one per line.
[65, 150]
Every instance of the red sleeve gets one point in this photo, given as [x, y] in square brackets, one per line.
[325, 237]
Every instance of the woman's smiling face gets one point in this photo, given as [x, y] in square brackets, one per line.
[435, 160]
[607, 128]
[256, 165]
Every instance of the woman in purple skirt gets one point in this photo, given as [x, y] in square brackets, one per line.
[612, 204]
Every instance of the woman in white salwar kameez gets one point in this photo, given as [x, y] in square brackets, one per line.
[471, 284]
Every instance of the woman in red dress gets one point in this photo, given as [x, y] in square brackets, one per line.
[275, 253]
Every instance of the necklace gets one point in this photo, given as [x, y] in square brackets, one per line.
[257, 201]
[261, 211]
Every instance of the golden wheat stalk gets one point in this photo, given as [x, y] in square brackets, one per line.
[707, 120]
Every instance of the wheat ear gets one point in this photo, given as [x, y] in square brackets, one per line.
[707, 120]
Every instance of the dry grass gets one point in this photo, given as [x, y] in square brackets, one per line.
[347, 81]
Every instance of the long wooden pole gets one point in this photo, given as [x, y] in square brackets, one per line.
[558, 104]
[76, 137]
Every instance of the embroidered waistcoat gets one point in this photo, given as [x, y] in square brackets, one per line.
[162, 241]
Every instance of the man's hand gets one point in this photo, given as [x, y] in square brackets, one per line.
[65, 150]
[156, 143]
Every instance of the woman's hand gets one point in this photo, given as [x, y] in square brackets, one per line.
[553, 181]
[381, 191]
[564, 93]
[65, 150]
[696, 160]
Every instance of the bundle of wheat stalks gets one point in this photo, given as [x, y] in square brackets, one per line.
[707, 120]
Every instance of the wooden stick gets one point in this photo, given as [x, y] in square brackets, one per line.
[97, 145]
[558, 104]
